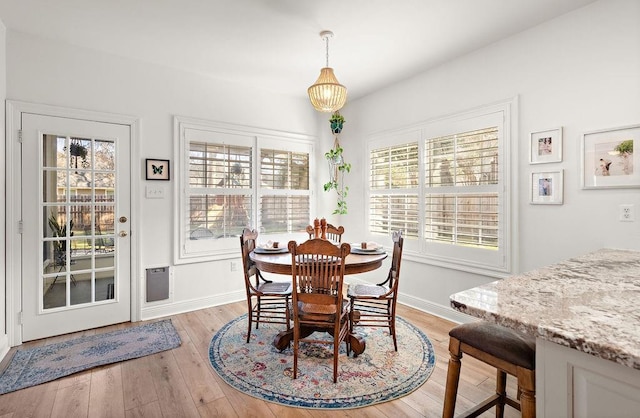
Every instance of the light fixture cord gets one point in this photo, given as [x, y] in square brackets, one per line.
[326, 39]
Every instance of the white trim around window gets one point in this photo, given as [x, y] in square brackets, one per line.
[476, 233]
[242, 146]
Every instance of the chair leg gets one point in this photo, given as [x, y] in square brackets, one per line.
[392, 327]
[336, 348]
[501, 391]
[296, 343]
[249, 318]
[453, 378]
[259, 305]
[527, 384]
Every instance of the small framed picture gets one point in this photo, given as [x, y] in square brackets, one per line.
[546, 146]
[608, 160]
[158, 169]
[547, 188]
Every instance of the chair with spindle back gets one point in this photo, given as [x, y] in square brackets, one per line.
[267, 301]
[317, 269]
[333, 233]
[375, 305]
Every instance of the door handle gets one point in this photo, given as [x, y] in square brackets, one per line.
[123, 219]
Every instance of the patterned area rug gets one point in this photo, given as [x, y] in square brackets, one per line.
[38, 365]
[378, 375]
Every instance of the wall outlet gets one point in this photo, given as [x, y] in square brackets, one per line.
[234, 266]
[626, 213]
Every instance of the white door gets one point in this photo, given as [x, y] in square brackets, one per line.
[75, 213]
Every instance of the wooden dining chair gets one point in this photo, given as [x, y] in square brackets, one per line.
[317, 270]
[375, 305]
[267, 301]
[333, 233]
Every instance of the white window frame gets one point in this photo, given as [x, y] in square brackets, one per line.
[496, 263]
[190, 129]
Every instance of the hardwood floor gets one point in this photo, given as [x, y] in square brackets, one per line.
[182, 383]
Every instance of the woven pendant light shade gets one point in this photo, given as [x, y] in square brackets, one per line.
[327, 94]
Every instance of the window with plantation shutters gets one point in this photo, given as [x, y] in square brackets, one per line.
[232, 177]
[220, 190]
[394, 188]
[284, 190]
[461, 188]
[445, 184]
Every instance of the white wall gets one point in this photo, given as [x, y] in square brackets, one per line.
[4, 344]
[580, 71]
[48, 72]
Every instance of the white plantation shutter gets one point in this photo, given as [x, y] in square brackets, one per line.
[220, 192]
[393, 201]
[284, 194]
[461, 188]
[445, 184]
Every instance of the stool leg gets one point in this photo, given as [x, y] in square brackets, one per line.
[501, 391]
[453, 377]
[527, 384]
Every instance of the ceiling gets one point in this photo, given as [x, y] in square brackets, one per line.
[275, 44]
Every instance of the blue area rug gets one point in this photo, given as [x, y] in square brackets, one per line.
[38, 365]
[378, 375]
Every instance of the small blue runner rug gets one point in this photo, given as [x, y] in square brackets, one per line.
[38, 365]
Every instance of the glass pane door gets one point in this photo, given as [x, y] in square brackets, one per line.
[78, 236]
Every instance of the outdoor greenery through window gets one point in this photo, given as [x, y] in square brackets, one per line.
[443, 184]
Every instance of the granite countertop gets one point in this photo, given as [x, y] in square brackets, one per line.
[590, 303]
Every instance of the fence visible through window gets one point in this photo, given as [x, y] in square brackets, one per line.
[84, 208]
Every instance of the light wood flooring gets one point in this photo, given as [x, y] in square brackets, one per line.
[182, 383]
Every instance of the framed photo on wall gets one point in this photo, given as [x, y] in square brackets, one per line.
[608, 160]
[546, 146]
[158, 169]
[547, 188]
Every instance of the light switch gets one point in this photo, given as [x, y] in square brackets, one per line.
[154, 192]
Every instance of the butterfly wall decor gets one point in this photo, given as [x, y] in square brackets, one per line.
[157, 169]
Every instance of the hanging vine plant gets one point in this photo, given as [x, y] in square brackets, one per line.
[337, 166]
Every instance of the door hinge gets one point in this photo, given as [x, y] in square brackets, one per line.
[20, 318]
[20, 136]
[20, 227]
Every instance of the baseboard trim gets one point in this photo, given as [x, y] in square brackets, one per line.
[4, 346]
[435, 309]
[153, 312]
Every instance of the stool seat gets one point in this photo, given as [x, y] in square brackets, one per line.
[510, 352]
[501, 342]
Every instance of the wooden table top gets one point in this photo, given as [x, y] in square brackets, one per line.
[281, 263]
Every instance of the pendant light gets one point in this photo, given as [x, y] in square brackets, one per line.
[327, 94]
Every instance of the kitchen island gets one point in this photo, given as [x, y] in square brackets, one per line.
[585, 315]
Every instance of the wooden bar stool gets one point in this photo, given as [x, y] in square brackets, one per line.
[506, 350]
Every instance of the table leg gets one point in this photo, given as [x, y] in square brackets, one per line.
[284, 338]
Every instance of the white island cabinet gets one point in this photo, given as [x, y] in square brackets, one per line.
[585, 315]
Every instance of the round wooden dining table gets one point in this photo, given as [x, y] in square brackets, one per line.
[280, 263]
